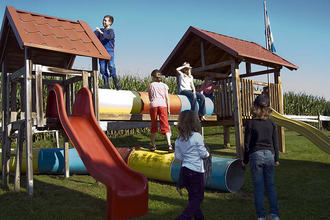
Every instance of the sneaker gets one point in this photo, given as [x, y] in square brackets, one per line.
[153, 148]
[273, 217]
[170, 149]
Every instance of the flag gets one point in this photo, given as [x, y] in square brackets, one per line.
[268, 33]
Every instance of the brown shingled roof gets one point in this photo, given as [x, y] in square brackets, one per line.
[55, 41]
[219, 48]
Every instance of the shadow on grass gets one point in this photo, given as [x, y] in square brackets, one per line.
[131, 141]
[301, 188]
[50, 201]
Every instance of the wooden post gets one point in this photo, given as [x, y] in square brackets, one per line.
[19, 155]
[248, 67]
[66, 155]
[4, 123]
[84, 79]
[226, 136]
[281, 135]
[39, 97]
[66, 140]
[67, 95]
[28, 120]
[237, 110]
[95, 89]
[57, 139]
[202, 54]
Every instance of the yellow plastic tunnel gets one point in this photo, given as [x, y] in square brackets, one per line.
[35, 153]
[155, 165]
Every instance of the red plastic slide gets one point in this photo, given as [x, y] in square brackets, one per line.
[127, 190]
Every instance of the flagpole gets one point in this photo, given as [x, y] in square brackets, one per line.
[267, 39]
[266, 32]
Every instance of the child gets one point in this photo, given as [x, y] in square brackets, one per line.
[186, 87]
[107, 37]
[159, 105]
[261, 148]
[207, 88]
[190, 149]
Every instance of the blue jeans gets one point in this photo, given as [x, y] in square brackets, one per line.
[108, 69]
[262, 167]
[211, 96]
[199, 99]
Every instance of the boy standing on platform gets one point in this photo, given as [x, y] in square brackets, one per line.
[107, 37]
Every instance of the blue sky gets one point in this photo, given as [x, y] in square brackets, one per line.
[148, 30]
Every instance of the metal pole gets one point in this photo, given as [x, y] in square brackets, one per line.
[266, 37]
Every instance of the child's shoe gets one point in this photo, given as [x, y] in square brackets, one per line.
[153, 148]
[273, 217]
[170, 149]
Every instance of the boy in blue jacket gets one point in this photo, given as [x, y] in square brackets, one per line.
[107, 37]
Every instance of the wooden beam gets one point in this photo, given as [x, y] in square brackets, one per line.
[212, 66]
[20, 72]
[71, 80]
[28, 120]
[237, 110]
[258, 73]
[202, 54]
[216, 75]
[66, 156]
[95, 89]
[4, 123]
[226, 136]
[61, 71]
[85, 79]
[248, 67]
[260, 62]
[280, 130]
[39, 97]
[19, 155]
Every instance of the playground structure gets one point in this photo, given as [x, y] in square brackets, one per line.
[36, 53]
[43, 58]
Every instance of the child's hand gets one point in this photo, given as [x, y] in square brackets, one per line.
[99, 30]
[277, 164]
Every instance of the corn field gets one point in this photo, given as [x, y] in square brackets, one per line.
[294, 103]
[303, 104]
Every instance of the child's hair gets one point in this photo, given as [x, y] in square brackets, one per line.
[265, 90]
[188, 123]
[186, 70]
[261, 111]
[157, 74]
[110, 18]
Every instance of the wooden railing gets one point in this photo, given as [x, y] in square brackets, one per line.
[223, 104]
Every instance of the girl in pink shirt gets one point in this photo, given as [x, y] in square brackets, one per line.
[159, 105]
[207, 88]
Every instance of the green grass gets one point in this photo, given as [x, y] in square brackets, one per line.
[302, 183]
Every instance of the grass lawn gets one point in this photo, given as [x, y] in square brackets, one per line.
[302, 183]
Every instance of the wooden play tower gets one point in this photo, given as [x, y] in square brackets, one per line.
[219, 56]
[36, 52]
